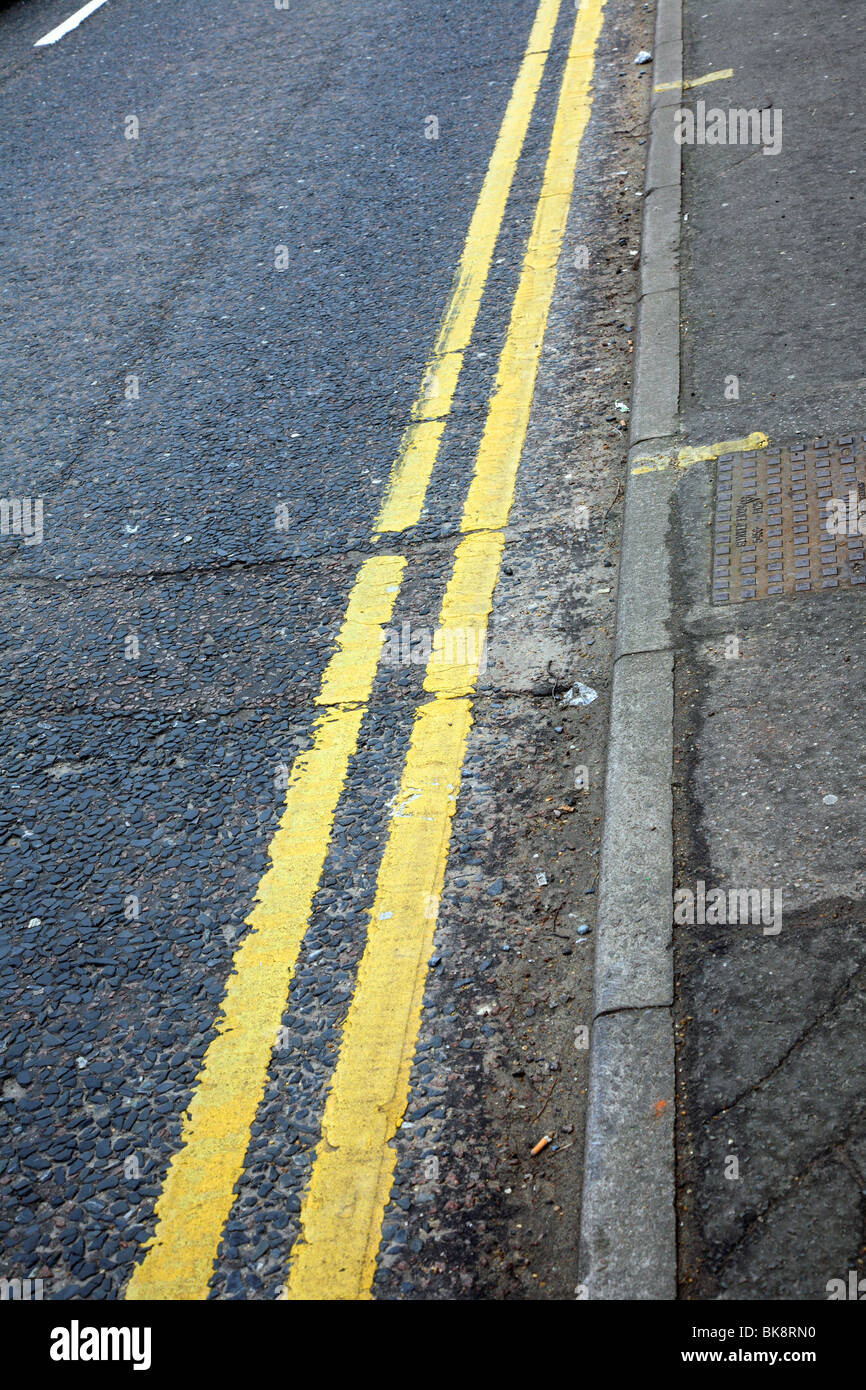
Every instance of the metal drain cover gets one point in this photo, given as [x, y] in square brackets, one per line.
[773, 530]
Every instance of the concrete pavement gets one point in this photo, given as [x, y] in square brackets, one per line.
[740, 610]
[769, 741]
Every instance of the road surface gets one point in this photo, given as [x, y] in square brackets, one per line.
[317, 326]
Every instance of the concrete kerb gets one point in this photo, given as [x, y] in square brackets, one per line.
[628, 1223]
[656, 392]
[659, 253]
[631, 1251]
[643, 601]
[633, 956]
[664, 158]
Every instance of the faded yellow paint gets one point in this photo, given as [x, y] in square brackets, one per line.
[198, 1191]
[343, 1208]
[720, 76]
[341, 1217]
[459, 642]
[342, 1214]
[699, 453]
[410, 475]
[492, 489]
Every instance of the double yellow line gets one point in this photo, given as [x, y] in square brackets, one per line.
[407, 486]
[342, 1212]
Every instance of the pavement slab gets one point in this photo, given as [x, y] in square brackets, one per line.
[768, 743]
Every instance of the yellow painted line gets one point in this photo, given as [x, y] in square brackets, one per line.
[721, 76]
[198, 1191]
[343, 1208]
[492, 489]
[410, 475]
[459, 640]
[700, 453]
[342, 1213]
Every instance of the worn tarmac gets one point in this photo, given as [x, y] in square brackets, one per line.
[169, 392]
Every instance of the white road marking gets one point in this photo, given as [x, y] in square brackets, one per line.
[71, 23]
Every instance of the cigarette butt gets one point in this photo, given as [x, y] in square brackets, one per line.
[542, 1144]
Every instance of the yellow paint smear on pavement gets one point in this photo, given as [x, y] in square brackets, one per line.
[699, 453]
[721, 76]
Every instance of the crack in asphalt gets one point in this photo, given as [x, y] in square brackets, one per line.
[798, 1041]
[834, 1146]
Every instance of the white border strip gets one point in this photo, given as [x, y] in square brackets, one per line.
[71, 23]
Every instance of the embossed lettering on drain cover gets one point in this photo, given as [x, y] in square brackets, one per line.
[772, 528]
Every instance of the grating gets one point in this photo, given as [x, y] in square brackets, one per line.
[787, 520]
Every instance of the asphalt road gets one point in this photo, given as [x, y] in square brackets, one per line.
[229, 238]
